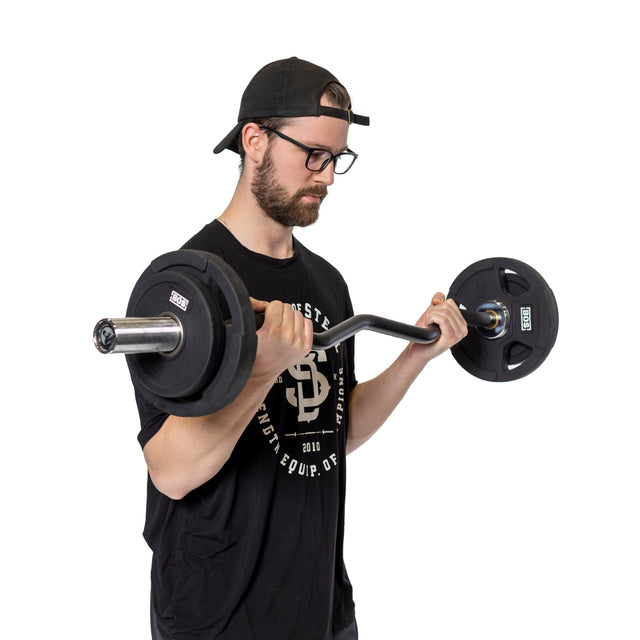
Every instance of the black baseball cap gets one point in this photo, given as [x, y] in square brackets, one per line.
[286, 89]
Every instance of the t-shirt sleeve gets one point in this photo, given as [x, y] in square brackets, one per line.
[151, 419]
[351, 344]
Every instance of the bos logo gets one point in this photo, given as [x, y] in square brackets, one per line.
[526, 319]
[180, 301]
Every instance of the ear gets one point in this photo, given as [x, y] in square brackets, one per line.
[254, 141]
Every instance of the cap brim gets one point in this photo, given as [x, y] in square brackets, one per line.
[230, 140]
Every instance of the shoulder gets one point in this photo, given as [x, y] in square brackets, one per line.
[207, 239]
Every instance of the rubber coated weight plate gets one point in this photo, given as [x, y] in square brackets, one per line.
[219, 337]
[187, 370]
[532, 320]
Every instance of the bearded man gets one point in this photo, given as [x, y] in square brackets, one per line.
[245, 509]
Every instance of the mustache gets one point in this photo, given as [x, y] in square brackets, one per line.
[319, 191]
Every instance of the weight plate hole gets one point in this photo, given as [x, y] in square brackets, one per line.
[517, 353]
[513, 283]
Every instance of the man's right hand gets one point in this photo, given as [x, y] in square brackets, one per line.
[284, 339]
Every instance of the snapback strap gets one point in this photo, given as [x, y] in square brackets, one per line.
[344, 114]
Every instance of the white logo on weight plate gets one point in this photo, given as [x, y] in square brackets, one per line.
[180, 301]
[526, 319]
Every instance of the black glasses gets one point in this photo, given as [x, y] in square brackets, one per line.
[318, 159]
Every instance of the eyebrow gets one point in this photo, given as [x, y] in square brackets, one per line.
[324, 147]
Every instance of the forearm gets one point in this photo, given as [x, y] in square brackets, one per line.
[187, 452]
[372, 402]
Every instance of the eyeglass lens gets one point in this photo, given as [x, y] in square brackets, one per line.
[319, 159]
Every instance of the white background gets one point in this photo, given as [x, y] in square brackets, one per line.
[481, 510]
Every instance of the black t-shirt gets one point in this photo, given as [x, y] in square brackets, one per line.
[257, 551]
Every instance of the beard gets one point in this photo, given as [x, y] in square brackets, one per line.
[289, 211]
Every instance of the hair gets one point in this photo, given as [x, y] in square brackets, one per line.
[337, 95]
[334, 93]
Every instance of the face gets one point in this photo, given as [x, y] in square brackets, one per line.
[284, 188]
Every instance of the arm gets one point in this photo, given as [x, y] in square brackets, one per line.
[372, 402]
[187, 452]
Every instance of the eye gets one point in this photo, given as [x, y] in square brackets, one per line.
[318, 158]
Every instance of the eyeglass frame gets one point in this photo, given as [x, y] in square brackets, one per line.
[310, 150]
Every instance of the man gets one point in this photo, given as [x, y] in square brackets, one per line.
[245, 512]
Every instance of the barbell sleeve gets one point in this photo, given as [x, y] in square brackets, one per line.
[163, 334]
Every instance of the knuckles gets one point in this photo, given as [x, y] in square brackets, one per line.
[446, 314]
[285, 328]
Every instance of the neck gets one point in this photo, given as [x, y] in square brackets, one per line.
[255, 230]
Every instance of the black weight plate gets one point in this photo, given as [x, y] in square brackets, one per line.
[232, 338]
[190, 368]
[532, 323]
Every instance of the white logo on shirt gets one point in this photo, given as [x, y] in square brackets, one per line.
[312, 388]
[306, 444]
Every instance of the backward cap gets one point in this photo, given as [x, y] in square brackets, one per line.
[286, 88]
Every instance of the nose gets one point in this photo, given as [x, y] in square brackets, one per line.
[326, 176]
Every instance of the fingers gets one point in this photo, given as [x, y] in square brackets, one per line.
[302, 329]
[284, 339]
[308, 334]
[446, 314]
[280, 317]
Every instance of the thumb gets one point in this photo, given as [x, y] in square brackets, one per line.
[259, 306]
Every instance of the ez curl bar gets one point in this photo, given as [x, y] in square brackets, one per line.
[165, 334]
[190, 332]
